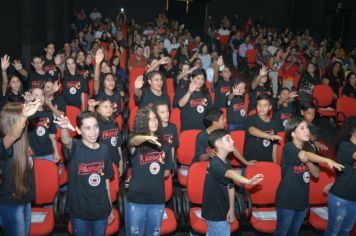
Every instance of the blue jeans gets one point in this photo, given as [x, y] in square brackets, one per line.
[143, 219]
[218, 228]
[289, 221]
[15, 220]
[233, 127]
[48, 157]
[82, 227]
[342, 216]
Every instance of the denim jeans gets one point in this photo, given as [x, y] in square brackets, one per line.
[289, 221]
[218, 228]
[48, 157]
[233, 127]
[82, 227]
[143, 219]
[342, 216]
[15, 220]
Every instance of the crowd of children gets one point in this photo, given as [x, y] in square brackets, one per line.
[215, 89]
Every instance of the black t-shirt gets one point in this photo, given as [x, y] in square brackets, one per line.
[293, 190]
[88, 171]
[6, 184]
[83, 70]
[282, 115]
[50, 67]
[180, 90]
[344, 186]
[73, 87]
[115, 100]
[40, 126]
[170, 134]
[252, 95]
[215, 194]
[201, 145]
[236, 110]
[147, 181]
[257, 148]
[349, 91]
[111, 137]
[192, 114]
[148, 98]
[36, 80]
[221, 88]
[170, 74]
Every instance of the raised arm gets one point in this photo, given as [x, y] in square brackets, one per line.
[138, 86]
[18, 66]
[99, 57]
[5, 63]
[65, 124]
[183, 101]
[217, 65]
[256, 81]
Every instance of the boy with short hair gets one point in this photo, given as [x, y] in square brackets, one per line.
[219, 191]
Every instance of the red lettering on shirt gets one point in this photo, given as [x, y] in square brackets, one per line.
[42, 121]
[300, 169]
[224, 89]
[152, 157]
[197, 102]
[238, 106]
[49, 68]
[84, 73]
[285, 116]
[263, 92]
[110, 133]
[36, 84]
[91, 168]
[168, 138]
[71, 84]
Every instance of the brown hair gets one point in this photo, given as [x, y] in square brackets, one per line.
[20, 174]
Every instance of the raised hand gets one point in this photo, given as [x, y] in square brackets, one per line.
[255, 179]
[192, 87]
[263, 71]
[220, 61]
[236, 91]
[5, 62]
[99, 56]
[28, 97]
[139, 82]
[302, 157]
[17, 64]
[274, 137]
[64, 123]
[30, 108]
[92, 103]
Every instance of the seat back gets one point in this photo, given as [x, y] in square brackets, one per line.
[239, 139]
[72, 113]
[186, 149]
[168, 188]
[114, 183]
[317, 185]
[46, 181]
[175, 118]
[345, 107]
[91, 87]
[170, 85]
[196, 179]
[132, 117]
[322, 95]
[251, 55]
[265, 191]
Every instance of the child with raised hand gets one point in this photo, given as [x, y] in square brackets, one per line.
[194, 101]
[342, 195]
[285, 109]
[151, 161]
[260, 85]
[151, 89]
[219, 191]
[292, 197]
[42, 130]
[222, 82]
[236, 107]
[90, 169]
[170, 133]
[109, 132]
[260, 143]
[17, 184]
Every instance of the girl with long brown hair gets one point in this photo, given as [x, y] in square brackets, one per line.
[17, 184]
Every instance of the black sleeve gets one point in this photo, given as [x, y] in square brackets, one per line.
[168, 165]
[175, 136]
[217, 170]
[68, 153]
[109, 172]
[250, 122]
[290, 154]
[52, 127]
[199, 147]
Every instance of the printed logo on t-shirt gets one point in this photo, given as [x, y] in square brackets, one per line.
[91, 168]
[113, 141]
[40, 131]
[50, 69]
[300, 169]
[200, 109]
[285, 122]
[154, 168]
[152, 157]
[238, 106]
[84, 73]
[267, 142]
[197, 102]
[36, 83]
[108, 134]
[168, 138]
[242, 112]
[306, 177]
[94, 180]
[73, 90]
[224, 90]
